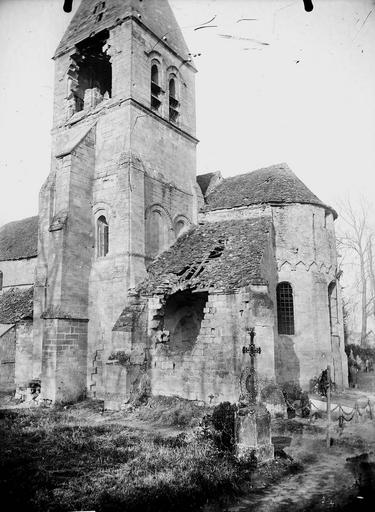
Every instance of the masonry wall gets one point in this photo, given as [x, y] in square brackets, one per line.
[64, 360]
[64, 261]
[24, 353]
[18, 272]
[211, 370]
[306, 257]
[7, 359]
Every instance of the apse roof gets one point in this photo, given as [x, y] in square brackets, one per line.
[19, 239]
[274, 184]
[156, 15]
[16, 304]
[221, 255]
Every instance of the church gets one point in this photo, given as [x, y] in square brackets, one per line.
[139, 274]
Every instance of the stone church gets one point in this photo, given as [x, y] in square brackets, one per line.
[137, 272]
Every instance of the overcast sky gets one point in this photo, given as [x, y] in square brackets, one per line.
[282, 85]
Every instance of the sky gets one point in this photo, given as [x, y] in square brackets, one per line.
[275, 84]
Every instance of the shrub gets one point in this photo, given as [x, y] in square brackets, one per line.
[223, 421]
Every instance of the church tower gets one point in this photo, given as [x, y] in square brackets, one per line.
[122, 182]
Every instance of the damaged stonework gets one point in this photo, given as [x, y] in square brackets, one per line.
[89, 74]
[188, 320]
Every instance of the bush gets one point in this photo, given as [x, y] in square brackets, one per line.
[223, 421]
[293, 393]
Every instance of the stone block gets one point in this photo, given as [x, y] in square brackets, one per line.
[253, 434]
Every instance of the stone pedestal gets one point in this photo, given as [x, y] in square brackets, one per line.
[253, 433]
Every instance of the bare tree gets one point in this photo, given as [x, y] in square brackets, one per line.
[356, 238]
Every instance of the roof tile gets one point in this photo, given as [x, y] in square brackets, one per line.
[229, 252]
[16, 304]
[19, 239]
[274, 184]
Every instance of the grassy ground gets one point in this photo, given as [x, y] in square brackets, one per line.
[79, 458]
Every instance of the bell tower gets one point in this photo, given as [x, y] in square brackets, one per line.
[122, 182]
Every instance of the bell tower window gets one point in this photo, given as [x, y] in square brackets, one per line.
[155, 87]
[173, 102]
[90, 74]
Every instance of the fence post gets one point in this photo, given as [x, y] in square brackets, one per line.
[328, 406]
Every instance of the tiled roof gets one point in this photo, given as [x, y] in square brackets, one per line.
[19, 239]
[16, 304]
[155, 14]
[222, 255]
[274, 184]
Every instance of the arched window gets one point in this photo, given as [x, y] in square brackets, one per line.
[102, 236]
[285, 309]
[179, 227]
[173, 102]
[158, 232]
[155, 87]
[1, 280]
[332, 305]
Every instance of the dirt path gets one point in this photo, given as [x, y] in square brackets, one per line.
[328, 480]
[319, 485]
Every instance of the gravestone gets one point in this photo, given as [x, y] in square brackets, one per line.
[253, 421]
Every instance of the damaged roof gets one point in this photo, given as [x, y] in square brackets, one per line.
[274, 184]
[16, 304]
[156, 15]
[205, 180]
[221, 255]
[19, 239]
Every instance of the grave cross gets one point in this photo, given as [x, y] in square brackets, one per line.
[252, 350]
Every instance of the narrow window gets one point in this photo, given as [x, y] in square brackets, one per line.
[332, 306]
[102, 232]
[155, 88]
[180, 225]
[285, 310]
[173, 102]
[1, 280]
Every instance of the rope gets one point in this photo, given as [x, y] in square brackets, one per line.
[355, 412]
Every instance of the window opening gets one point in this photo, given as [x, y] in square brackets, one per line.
[173, 102]
[332, 306]
[102, 236]
[99, 7]
[91, 72]
[155, 88]
[1, 280]
[285, 308]
[217, 251]
[184, 312]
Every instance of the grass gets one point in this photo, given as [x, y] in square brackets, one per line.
[77, 459]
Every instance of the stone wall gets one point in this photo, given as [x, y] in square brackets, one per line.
[24, 353]
[211, 369]
[64, 360]
[18, 272]
[7, 358]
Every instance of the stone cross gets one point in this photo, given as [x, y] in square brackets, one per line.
[252, 350]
